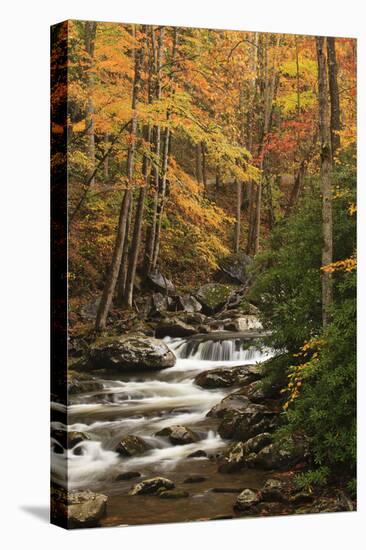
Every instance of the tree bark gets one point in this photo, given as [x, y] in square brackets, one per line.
[335, 117]
[239, 187]
[204, 173]
[326, 178]
[157, 47]
[90, 29]
[109, 288]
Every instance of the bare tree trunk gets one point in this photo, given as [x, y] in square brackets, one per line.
[326, 177]
[122, 275]
[90, 29]
[164, 168]
[151, 232]
[335, 117]
[298, 184]
[239, 187]
[109, 288]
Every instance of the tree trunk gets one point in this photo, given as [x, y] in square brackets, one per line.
[106, 160]
[155, 182]
[109, 288]
[335, 117]
[89, 40]
[326, 177]
[238, 215]
[198, 163]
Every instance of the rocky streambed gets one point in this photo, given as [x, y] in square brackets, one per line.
[174, 424]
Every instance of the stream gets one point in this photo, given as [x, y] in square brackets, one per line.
[142, 404]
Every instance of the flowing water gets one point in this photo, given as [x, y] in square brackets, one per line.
[142, 405]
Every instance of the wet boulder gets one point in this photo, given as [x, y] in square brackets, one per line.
[68, 440]
[213, 297]
[234, 268]
[178, 435]
[157, 281]
[132, 445]
[198, 454]
[245, 425]
[236, 456]
[78, 508]
[224, 377]
[174, 327]
[230, 405]
[159, 304]
[247, 500]
[78, 382]
[243, 323]
[151, 486]
[130, 352]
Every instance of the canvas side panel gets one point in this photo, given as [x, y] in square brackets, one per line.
[59, 55]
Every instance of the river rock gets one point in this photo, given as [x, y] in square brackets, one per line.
[246, 500]
[224, 377]
[236, 455]
[127, 475]
[79, 382]
[68, 440]
[198, 454]
[245, 322]
[174, 493]
[195, 478]
[281, 454]
[130, 352]
[151, 486]
[235, 267]
[213, 297]
[157, 281]
[132, 445]
[273, 490]
[245, 425]
[78, 508]
[159, 304]
[178, 435]
[174, 327]
[89, 310]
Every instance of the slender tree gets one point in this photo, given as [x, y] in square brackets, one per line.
[110, 285]
[90, 29]
[326, 176]
[335, 116]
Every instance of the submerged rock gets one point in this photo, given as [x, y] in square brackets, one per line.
[174, 493]
[246, 500]
[195, 478]
[130, 352]
[178, 435]
[151, 486]
[78, 508]
[127, 475]
[213, 297]
[132, 445]
[198, 454]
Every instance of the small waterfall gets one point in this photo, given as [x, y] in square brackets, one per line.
[216, 349]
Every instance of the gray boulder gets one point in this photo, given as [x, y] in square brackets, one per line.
[178, 435]
[235, 267]
[188, 303]
[151, 486]
[132, 445]
[281, 454]
[157, 281]
[246, 500]
[174, 327]
[130, 352]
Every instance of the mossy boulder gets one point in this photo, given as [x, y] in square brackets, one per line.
[213, 297]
